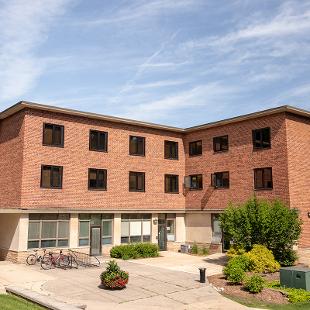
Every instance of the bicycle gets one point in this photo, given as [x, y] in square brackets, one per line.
[32, 259]
[61, 260]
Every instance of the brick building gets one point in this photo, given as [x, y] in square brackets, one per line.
[89, 181]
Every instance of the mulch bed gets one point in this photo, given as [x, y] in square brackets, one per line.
[266, 295]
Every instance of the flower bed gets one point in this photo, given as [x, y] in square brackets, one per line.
[113, 277]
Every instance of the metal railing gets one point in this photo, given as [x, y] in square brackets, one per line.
[84, 259]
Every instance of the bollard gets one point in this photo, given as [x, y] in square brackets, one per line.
[202, 275]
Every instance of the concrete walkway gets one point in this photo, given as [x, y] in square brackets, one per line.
[187, 263]
[149, 287]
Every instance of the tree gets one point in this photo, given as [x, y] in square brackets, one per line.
[261, 222]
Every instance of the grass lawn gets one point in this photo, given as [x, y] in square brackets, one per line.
[11, 302]
[252, 302]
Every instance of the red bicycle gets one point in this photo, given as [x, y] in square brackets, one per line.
[53, 260]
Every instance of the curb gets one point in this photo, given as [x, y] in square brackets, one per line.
[43, 300]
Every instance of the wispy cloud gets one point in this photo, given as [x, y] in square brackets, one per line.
[24, 27]
[208, 96]
[139, 10]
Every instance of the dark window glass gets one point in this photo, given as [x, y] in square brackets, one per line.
[98, 141]
[261, 138]
[220, 144]
[53, 135]
[220, 179]
[136, 181]
[171, 150]
[195, 181]
[263, 178]
[48, 230]
[136, 145]
[97, 179]
[195, 148]
[171, 183]
[51, 176]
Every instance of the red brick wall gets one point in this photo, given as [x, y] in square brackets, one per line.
[298, 140]
[76, 158]
[11, 157]
[240, 161]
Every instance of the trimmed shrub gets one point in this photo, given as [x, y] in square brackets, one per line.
[261, 260]
[134, 250]
[261, 222]
[254, 284]
[236, 268]
[113, 277]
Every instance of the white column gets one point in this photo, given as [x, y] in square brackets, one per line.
[22, 232]
[154, 223]
[74, 231]
[180, 231]
[117, 228]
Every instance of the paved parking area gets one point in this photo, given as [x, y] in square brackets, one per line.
[149, 287]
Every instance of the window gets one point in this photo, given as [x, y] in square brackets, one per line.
[136, 181]
[97, 179]
[220, 179]
[98, 141]
[171, 183]
[171, 150]
[53, 135]
[88, 220]
[220, 144]
[48, 230]
[263, 178]
[170, 227]
[261, 138]
[195, 148]
[136, 228]
[51, 176]
[137, 146]
[195, 181]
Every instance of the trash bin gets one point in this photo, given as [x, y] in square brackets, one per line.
[202, 272]
[184, 248]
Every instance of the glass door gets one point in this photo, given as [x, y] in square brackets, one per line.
[216, 229]
[95, 240]
[162, 232]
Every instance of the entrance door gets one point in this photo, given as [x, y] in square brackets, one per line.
[216, 229]
[95, 240]
[162, 232]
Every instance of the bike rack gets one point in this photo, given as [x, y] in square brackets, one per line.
[84, 259]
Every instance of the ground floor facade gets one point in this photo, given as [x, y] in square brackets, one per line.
[96, 232]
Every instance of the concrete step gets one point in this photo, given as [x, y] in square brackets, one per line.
[43, 300]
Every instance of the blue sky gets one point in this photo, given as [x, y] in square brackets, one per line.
[181, 62]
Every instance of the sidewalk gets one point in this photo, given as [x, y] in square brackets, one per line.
[149, 287]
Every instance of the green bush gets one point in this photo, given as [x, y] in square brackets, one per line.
[288, 257]
[236, 268]
[194, 249]
[260, 222]
[296, 295]
[261, 260]
[254, 284]
[134, 250]
[235, 251]
[203, 251]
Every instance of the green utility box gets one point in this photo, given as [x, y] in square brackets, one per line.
[297, 277]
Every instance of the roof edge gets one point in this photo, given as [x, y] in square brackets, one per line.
[36, 106]
[280, 109]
